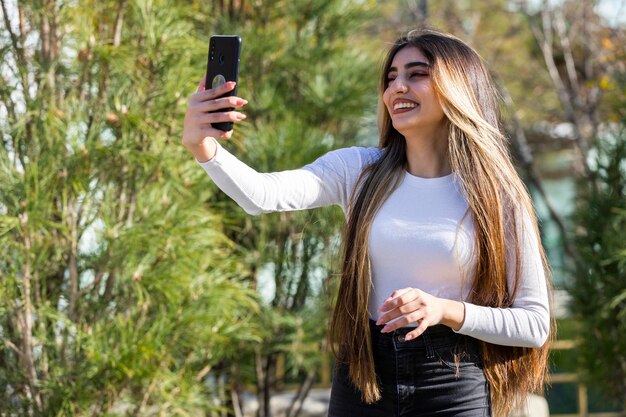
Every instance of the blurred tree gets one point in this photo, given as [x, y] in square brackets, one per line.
[582, 61]
[128, 284]
[118, 294]
[309, 76]
[599, 287]
[585, 59]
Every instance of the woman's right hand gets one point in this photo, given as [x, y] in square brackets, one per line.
[197, 130]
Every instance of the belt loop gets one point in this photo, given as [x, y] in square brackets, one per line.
[430, 352]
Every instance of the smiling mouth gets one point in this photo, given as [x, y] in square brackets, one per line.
[403, 107]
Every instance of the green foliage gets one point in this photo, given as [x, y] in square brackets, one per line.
[119, 292]
[310, 84]
[128, 281]
[599, 287]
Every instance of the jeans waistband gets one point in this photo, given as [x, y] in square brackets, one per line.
[434, 337]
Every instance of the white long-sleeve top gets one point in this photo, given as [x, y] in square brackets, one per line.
[422, 237]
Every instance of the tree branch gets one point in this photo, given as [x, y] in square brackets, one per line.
[527, 159]
[18, 51]
[110, 284]
[27, 318]
[14, 41]
[20, 12]
[119, 23]
[544, 40]
[94, 285]
[303, 391]
[72, 261]
[7, 100]
[559, 24]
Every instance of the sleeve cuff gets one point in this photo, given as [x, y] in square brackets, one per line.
[218, 149]
[470, 319]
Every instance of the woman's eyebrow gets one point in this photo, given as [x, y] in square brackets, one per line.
[411, 65]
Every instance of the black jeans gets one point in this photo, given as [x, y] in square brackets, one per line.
[418, 377]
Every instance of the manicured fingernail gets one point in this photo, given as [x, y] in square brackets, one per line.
[243, 101]
[409, 337]
[385, 329]
[241, 116]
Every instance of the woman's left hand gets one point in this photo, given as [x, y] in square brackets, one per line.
[414, 305]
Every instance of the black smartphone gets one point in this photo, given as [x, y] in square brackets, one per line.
[223, 66]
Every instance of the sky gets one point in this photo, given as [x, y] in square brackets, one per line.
[614, 11]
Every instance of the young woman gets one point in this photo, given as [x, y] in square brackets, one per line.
[443, 305]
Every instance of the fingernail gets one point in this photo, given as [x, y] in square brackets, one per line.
[243, 101]
[385, 329]
[241, 116]
[409, 337]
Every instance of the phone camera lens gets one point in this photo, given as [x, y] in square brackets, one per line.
[221, 59]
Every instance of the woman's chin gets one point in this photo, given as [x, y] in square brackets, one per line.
[403, 127]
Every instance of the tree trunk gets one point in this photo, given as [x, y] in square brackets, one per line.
[265, 366]
[303, 391]
[28, 363]
[260, 381]
[424, 9]
[526, 156]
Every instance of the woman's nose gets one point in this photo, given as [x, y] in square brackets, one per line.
[398, 85]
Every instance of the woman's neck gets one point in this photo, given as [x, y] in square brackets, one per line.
[427, 155]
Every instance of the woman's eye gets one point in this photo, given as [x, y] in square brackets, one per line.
[418, 74]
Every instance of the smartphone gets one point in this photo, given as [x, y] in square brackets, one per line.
[223, 66]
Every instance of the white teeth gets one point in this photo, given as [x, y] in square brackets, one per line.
[404, 106]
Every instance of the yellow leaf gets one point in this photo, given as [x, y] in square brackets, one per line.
[605, 82]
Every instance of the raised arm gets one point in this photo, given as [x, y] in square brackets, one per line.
[326, 181]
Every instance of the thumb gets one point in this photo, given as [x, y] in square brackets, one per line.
[202, 85]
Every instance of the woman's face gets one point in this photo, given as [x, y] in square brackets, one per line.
[410, 97]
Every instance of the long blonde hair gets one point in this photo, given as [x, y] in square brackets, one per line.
[497, 199]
